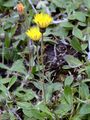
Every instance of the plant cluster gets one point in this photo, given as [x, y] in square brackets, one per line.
[45, 60]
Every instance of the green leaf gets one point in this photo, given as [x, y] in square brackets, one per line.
[66, 24]
[76, 44]
[49, 40]
[77, 15]
[55, 86]
[66, 102]
[35, 69]
[18, 66]
[84, 46]
[5, 80]
[4, 90]
[12, 116]
[87, 3]
[66, 67]
[25, 105]
[7, 39]
[77, 33]
[85, 109]
[59, 3]
[38, 85]
[10, 3]
[34, 114]
[5, 116]
[42, 107]
[62, 109]
[20, 37]
[72, 61]
[25, 95]
[68, 95]
[76, 117]
[12, 81]
[29, 95]
[60, 32]
[68, 80]
[50, 88]
[84, 91]
[35, 111]
[87, 68]
[4, 66]
[12, 31]
[81, 16]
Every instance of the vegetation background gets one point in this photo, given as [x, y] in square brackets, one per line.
[66, 54]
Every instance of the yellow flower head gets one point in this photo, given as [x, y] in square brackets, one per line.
[34, 33]
[43, 20]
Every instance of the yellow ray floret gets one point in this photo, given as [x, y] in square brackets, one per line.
[34, 33]
[43, 20]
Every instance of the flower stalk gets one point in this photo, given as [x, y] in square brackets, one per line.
[42, 20]
[37, 58]
[31, 49]
[42, 80]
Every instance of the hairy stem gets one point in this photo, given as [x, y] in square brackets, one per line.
[43, 70]
[38, 58]
[31, 50]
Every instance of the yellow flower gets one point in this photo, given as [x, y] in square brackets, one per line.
[43, 20]
[34, 33]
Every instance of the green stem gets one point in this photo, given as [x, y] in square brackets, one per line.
[3, 53]
[42, 70]
[38, 59]
[30, 47]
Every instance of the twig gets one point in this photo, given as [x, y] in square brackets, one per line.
[32, 6]
[59, 21]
